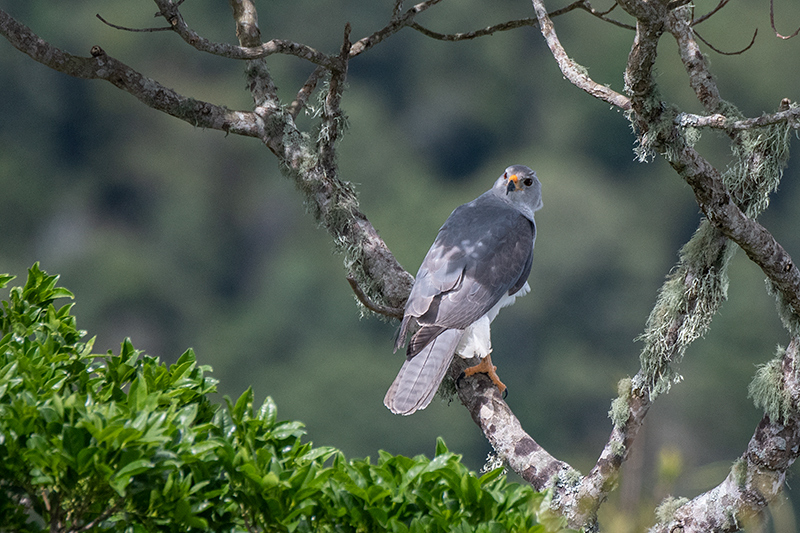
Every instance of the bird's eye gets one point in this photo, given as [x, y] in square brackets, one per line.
[528, 182]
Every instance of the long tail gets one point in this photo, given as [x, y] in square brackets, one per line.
[420, 376]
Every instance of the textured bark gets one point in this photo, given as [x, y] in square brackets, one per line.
[687, 302]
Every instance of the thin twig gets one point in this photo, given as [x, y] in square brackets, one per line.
[124, 28]
[463, 36]
[305, 92]
[397, 23]
[583, 5]
[717, 50]
[772, 22]
[586, 6]
[385, 310]
[708, 15]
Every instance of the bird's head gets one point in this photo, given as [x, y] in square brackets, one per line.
[520, 186]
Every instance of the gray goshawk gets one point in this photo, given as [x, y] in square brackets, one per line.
[478, 264]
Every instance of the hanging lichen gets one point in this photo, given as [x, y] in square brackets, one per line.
[767, 389]
[697, 286]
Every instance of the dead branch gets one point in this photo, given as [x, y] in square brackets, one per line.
[396, 23]
[710, 14]
[173, 16]
[717, 50]
[572, 70]
[305, 92]
[135, 30]
[772, 22]
[678, 23]
[514, 24]
[391, 312]
[464, 36]
[602, 15]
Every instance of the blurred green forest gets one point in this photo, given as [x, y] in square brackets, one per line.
[179, 237]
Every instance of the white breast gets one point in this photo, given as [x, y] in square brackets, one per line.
[477, 339]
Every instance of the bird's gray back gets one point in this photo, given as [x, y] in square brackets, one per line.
[483, 250]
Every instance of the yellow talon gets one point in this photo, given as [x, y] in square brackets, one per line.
[486, 367]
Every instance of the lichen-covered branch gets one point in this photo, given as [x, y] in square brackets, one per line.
[516, 447]
[730, 202]
[788, 114]
[101, 66]
[309, 160]
[172, 15]
[758, 475]
[687, 301]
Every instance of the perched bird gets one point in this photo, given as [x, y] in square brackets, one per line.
[478, 264]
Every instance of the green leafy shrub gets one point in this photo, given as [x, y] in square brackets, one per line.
[126, 443]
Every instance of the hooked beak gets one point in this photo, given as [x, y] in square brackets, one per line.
[513, 183]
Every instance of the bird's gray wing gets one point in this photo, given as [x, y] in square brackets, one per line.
[483, 250]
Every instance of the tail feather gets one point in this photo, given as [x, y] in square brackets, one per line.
[420, 376]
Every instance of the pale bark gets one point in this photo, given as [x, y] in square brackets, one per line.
[688, 300]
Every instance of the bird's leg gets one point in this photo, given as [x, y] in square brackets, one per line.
[486, 367]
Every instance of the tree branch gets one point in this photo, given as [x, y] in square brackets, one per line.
[134, 30]
[679, 24]
[305, 92]
[736, 53]
[464, 36]
[103, 67]
[504, 432]
[772, 22]
[757, 476]
[575, 73]
[698, 20]
[788, 114]
[397, 23]
[172, 15]
[310, 164]
[513, 24]
[391, 312]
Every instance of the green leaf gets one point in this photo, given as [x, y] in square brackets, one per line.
[268, 412]
[244, 403]
[75, 440]
[4, 279]
[88, 426]
[137, 395]
[441, 447]
[122, 478]
[491, 475]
